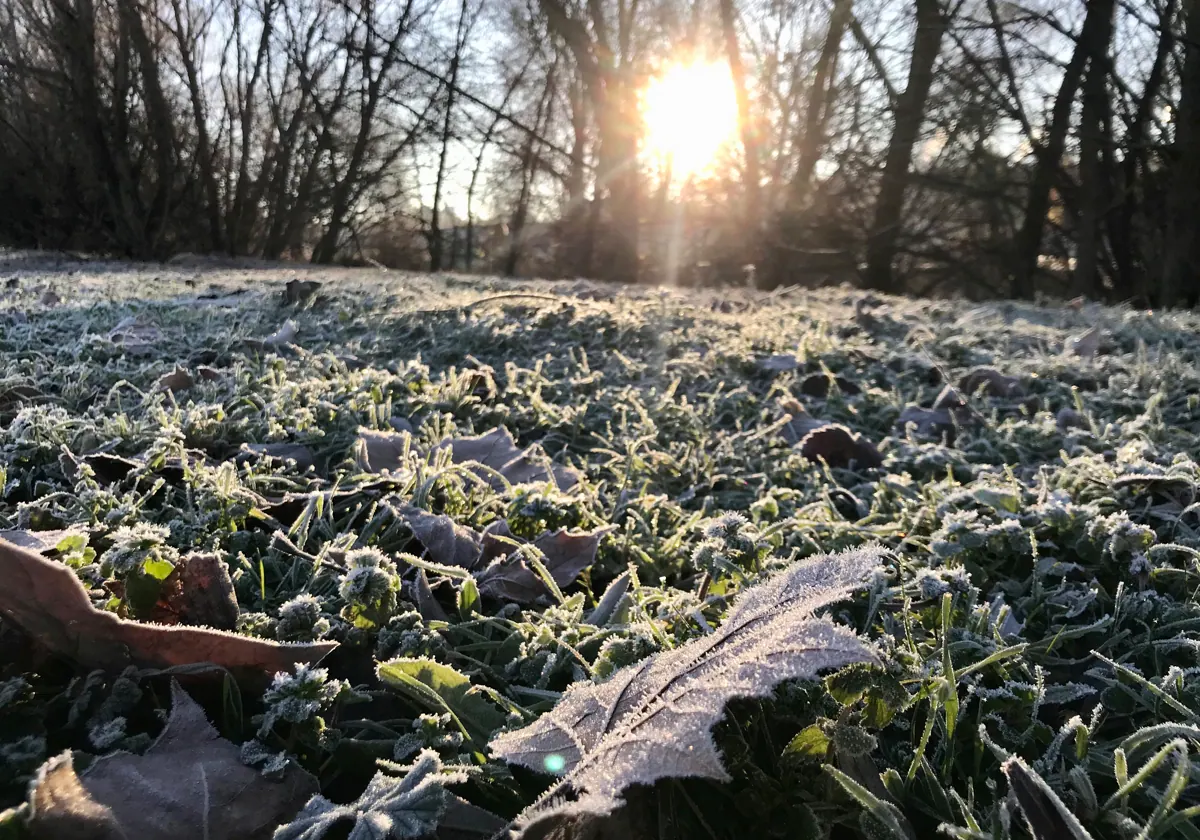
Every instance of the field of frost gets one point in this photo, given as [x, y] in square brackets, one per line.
[323, 554]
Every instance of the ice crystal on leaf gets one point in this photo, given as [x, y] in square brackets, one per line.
[653, 719]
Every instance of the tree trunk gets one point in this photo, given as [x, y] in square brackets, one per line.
[812, 140]
[1130, 280]
[435, 227]
[1049, 158]
[1093, 191]
[1181, 251]
[753, 179]
[910, 114]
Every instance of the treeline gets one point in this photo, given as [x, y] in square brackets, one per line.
[980, 147]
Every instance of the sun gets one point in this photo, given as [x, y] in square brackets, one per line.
[690, 112]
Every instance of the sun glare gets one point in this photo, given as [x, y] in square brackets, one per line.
[690, 112]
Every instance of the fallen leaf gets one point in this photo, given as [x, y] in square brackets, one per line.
[198, 592]
[820, 384]
[14, 397]
[135, 337]
[992, 382]
[445, 541]
[427, 603]
[840, 447]
[497, 450]
[296, 453]
[50, 298]
[1086, 344]
[779, 363]
[190, 785]
[282, 336]
[799, 422]
[928, 422]
[43, 542]
[47, 601]
[383, 451]
[510, 577]
[177, 380]
[208, 374]
[298, 291]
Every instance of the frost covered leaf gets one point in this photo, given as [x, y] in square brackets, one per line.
[564, 554]
[43, 542]
[191, 784]
[281, 337]
[383, 451]
[441, 689]
[992, 383]
[298, 291]
[653, 719]
[497, 450]
[134, 337]
[840, 447]
[779, 363]
[199, 592]
[928, 423]
[408, 807]
[296, 453]
[445, 541]
[1086, 344]
[47, 601]
[177, 380]
[1047, 817]
[820, 384]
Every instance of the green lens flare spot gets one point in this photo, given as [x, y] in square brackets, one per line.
[554, 764]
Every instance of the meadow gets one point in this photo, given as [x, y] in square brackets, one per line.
[485, 558]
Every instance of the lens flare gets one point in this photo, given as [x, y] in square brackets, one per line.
[690, 112]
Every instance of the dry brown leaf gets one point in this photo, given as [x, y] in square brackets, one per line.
[135, 337]
[198, 592]
[50, 298]
[840, 447]
[190, 785]
[427, 603]
[177, 380]
[779, 363]
[509, 577]
[297, 453]
[799, 423]
[992, 382]
[497, 449]
[384, 451]
[47, 601]
[445, 541]
[208, 374]
[43, 542]
[282, 336]
[928, 422]
[1086, 344]
[820, 384]
[298, 291]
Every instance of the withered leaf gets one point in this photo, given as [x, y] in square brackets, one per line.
[840, 447]
[800, 422]
[508, 576]
[283, 336]
[177, 380]
[135, 337]
[190, 785]
[298, 291]
[652, 720]
[50, 298]
[992, 383]
[42, 542]
[1086, 344]
[296, 453]
[819, 385]
[445, 541]
[497, 450]
[779, 363]
[208, 374]
[198, 592]
[47, 601]
[383, 451]
[928, 423]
